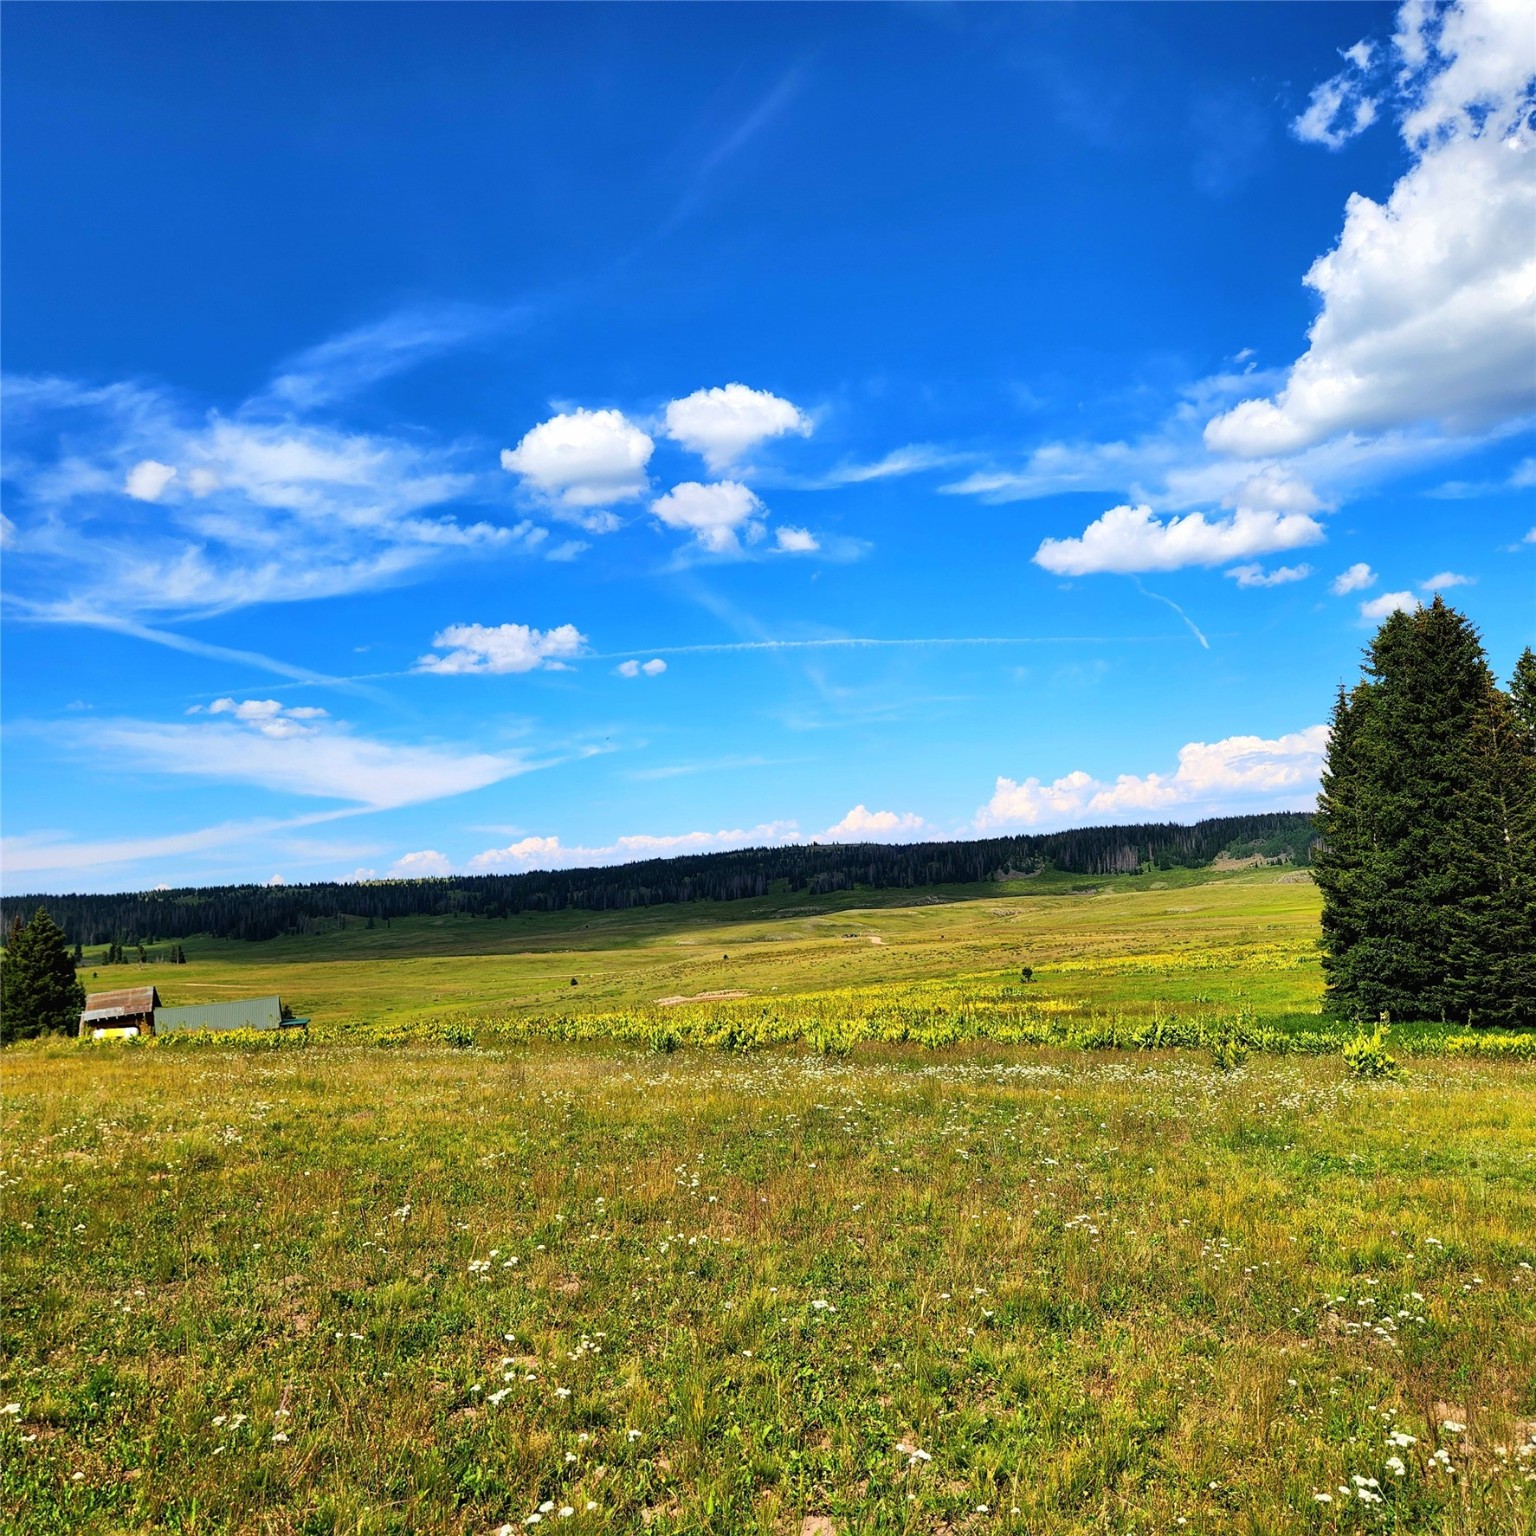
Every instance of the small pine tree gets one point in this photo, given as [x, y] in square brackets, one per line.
[39, 991]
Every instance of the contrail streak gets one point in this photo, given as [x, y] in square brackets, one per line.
[1193, 627]
[851, 642]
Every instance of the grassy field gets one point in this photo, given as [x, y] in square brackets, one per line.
[880, 1287]
[782, 945]
[1188, 958]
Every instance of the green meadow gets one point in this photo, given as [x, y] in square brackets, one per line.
[877, 1243]
[785, 946]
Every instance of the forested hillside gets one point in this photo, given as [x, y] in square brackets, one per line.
[263, 911]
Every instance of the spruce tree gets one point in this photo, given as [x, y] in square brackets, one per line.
[39, 991]
[1338, 860]
[1522, 693]
[1429, 818]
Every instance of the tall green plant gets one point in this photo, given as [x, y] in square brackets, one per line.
[1428, 815]
[39, 991]
[1522, 693]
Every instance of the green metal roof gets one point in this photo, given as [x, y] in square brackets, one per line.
[248, 1013]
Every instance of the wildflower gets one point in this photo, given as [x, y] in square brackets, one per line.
[1451, 1427]
[565, 1511]
[279, 1438]
[546, 1506]
[1394, 1465]
[1323, 1498]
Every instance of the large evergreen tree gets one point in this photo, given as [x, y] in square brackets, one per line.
[39, 991]
[1428, 813]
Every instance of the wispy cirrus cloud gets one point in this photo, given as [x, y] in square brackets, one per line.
[252, 742]
[913, 459]
[354, 361]
[52, 854]
[191, 513]
[1255, 575]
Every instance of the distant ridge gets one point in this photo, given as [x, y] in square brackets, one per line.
[265, 911]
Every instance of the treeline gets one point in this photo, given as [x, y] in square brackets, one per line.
[264, 912]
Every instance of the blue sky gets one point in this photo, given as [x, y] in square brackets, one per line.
[471, 438]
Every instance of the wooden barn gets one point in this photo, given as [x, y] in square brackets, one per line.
[128, 1011]
[138, 1011]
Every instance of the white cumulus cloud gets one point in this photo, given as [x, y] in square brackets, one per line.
[1355, 579]
[550, 853]
[1374, 609]
[489, 649]
[717, 515]
[652, 668]
[862, 825]
[1342, 107]
[796, 541]
[1133, 539]
[426, 864]
[280, 722]
[1428, 299]
[722, 424]
[1235, 772]
[147, 479]
[583, 460]
[1443, 581]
